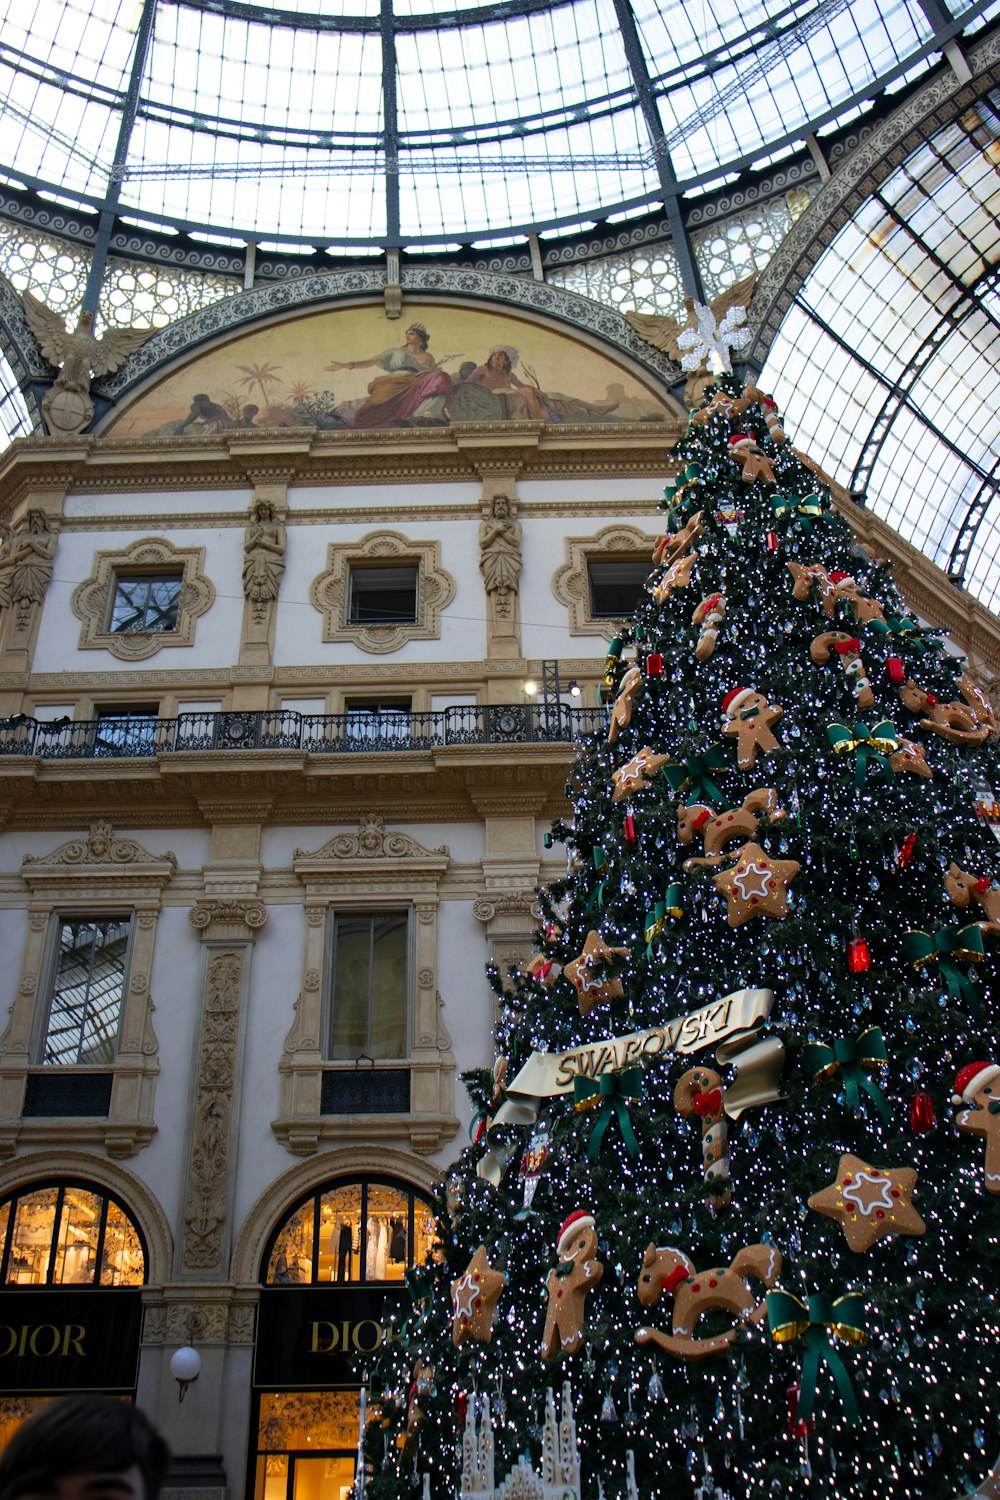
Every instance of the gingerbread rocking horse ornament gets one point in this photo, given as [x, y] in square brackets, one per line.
[665, 1269]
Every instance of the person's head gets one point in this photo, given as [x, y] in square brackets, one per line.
[84, 1448]
[417, 335]
[499, 359]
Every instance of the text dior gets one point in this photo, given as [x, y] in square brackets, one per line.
[42, 1339]
[364, 1336]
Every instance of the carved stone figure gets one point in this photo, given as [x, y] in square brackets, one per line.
[67, 407]
[263, 554]
[26, 565]
[500, 552]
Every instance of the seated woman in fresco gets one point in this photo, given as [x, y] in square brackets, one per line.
[413, 389]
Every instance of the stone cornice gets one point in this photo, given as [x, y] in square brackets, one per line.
[228, 461]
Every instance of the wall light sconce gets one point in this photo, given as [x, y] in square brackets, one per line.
[185, 1362]
[574, 689]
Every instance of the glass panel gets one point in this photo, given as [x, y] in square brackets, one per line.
[386, 1238]
[369, 993]
[340, 1256]
[145, 604]
[291, 1420]
[87, 991]
[121, 732]
[271, 1478]
[76, 1245]
[122, 1260]
[31, 1238]
[323, 1478]
[424, 1234]
[15, 1410]
[383, 595]
[291, 1258]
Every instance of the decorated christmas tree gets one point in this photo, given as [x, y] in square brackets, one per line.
[733, 1192]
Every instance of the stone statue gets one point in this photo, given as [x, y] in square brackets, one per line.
[26, 561]
[67, 407]
[500, 552]
[263, 554]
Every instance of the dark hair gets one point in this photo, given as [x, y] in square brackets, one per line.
[82, 1435]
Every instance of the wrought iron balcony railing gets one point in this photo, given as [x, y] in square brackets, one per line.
[142, 735]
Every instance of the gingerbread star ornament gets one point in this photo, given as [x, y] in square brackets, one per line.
[637, 774]
[474, 1300]
[870, 1202]
[588, 973]
[757, 885]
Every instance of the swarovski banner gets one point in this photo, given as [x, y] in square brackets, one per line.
[53, 1340]
[321, 1336]
[735, 1022]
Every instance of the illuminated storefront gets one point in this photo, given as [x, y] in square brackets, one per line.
[72, 1265]
[332, 1277]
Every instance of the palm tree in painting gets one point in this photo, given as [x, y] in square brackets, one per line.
[260, 377]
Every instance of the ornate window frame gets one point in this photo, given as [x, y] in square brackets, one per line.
[96, 874]
[571, 582]
[92, 599]
[370, 868]
[330, 591]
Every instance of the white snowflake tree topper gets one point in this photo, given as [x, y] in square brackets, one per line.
[711, 341]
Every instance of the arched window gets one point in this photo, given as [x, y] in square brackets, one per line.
[369, 1230]
[69, 1234]
[331, 1273]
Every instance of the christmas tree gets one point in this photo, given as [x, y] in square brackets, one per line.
[735, 1172]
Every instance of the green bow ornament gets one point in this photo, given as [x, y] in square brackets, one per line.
[609, 1093]
[596, 897]
[804, 510]
[850, 1057]
[870, 745]
[656, 920]
[693, 775]
[947, 946]
[817, 1325]
[909, 630]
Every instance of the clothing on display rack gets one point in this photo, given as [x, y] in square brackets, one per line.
[397, 1239]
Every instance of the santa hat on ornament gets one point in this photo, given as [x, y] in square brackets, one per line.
[734, 701]
[572, 1226]
[970, 1079]
[739, 437]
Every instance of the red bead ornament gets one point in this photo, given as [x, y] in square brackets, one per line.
[628, 831]
[654, 664]
[895, 671]
[772, 541]
[906, 849]
[859, 958]
[922, 1116]
[795, 1427]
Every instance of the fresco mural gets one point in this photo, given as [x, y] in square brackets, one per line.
[352, 368]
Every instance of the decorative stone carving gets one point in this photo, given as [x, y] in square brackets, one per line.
[101, 847]
[500, 553]
[330, 592]
[67, 407]
[486, 907]
[92, 599]
[227, 920]
[370, 842]
[206, 1197]
[571, 583]
[26, 562]
[263, 557]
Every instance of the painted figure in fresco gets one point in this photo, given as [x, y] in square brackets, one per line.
[517, 399]
[412, 391]
[214, 418]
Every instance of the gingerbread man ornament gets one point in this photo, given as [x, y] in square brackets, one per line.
[977, 1091]
[750, 718]
[568, 1285]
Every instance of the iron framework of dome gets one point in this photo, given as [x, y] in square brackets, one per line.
[159, 155]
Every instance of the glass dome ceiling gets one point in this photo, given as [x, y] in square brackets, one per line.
[351, 124]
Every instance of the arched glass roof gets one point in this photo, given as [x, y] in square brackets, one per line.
[888, 361]
[394, 123]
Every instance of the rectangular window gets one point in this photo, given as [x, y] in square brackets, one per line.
[88, 990]
[144, 602]
[370, 985]
[617, 587]
[377, 724]
[126, 730]
[383, 596]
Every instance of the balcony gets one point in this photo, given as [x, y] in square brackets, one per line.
[145, 737]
